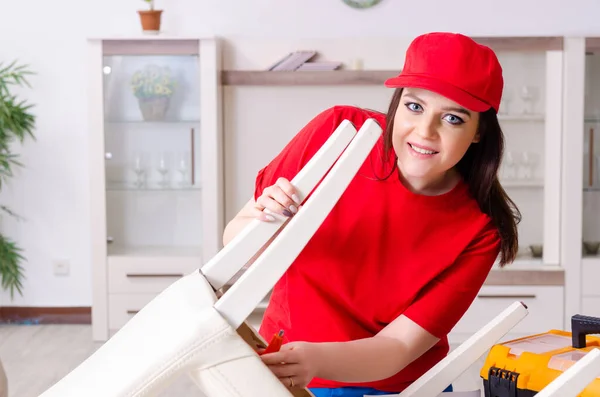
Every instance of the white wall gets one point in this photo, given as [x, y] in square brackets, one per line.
[50, 36]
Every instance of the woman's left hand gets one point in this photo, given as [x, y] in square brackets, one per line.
[295, 364]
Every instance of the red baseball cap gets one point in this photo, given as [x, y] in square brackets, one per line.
[455, 66]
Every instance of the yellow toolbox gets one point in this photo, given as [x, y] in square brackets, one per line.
[523, 367]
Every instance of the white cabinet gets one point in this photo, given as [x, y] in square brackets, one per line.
[580, 176]
[155, 133]
[545, 305]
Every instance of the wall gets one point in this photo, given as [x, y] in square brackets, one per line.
[52, 191]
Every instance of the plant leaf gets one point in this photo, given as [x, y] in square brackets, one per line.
[17, 122]
[11, 271]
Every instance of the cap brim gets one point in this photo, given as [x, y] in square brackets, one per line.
[450, 91]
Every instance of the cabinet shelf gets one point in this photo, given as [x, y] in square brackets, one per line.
[525, 183]
[150, 123]
[126, 187]
[119, 250]
[521, 117]
[305, 78]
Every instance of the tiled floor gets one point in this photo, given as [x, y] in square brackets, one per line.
[36, 356]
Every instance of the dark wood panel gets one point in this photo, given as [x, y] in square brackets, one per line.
[45, 315]
[592, 43]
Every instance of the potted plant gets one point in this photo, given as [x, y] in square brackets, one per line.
[153, 87]
[150, 18]
[16, 123]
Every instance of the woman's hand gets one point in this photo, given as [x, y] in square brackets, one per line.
[295, 364]
[280, 198]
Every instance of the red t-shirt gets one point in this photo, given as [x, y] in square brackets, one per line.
[381, 252]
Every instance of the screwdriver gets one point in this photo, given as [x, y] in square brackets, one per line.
[275, 343]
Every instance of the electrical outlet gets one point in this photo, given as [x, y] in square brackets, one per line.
[61, 267]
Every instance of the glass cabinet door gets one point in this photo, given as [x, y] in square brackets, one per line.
[590, 155]
[583, 294]
[530, 119]
[152, 143]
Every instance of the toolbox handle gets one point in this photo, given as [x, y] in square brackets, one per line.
[582, 326]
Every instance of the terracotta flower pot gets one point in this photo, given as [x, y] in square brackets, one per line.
[154, 109]
[150, 20]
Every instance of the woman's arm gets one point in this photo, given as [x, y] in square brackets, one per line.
[280, 198]
[248, 213]
[390, 351]
[363, 360]
[431, 316]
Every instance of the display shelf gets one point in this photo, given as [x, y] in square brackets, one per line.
[117, 122]
[541, 276]
[117, 250]
[524, 183]
[309, 78]
[521, 117]
[523, 262]
[130, 187]
[591, 259]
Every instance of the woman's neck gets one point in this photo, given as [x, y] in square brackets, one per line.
[431, 186]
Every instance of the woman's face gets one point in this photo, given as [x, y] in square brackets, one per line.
[431, 134]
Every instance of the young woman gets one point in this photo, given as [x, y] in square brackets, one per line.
[367, 305]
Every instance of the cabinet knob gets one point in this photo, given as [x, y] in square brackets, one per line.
[108, 155]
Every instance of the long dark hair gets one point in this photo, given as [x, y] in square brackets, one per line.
[479, 168]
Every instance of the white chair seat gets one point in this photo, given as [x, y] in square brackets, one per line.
[177, 333]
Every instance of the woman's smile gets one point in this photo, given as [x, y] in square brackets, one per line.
[421, 151]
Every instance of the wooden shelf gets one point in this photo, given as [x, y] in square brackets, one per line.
[553, 276]
[307, 78]
[523, 183]
[521, 117]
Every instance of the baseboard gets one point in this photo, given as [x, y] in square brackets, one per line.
[45, 315]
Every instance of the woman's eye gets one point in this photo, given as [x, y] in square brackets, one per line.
[414, 107]
[452, 119]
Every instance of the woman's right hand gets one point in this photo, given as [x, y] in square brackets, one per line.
[280, 198]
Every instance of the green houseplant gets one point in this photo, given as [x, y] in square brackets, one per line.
[16, 124]
[153, 87]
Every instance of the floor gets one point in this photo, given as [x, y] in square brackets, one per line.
[36, 356]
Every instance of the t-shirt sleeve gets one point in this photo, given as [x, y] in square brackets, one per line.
[299, 150]
[446, 299]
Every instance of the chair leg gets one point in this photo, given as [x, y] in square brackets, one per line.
[434, 381]
[576, 378]
[230, 260]
[243, 296]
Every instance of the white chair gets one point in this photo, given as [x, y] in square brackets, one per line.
[187, 329]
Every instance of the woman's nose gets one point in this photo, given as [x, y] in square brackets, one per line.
[427, 128]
